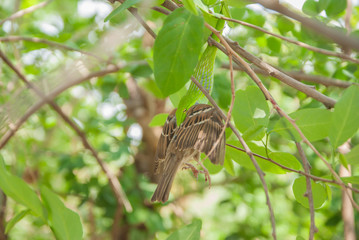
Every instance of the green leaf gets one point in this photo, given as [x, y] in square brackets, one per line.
[310, 7]
[227, 13]
[250, 109]
[158, 120]
[176, 50]
[189, 232]
[319, 192]
[345, 121]
[212, 168]
[353, 156]
[16, 219]
[243, 159]
[236, 3]
[255, 132]
[334, 7]
[343, 161]
[352, 179]
[284, 25]
[286, 159]
[189, 5]
[20, 192]
[127, 4]
[228, 164]
[323, 4]
[176, 97]
[274, 44]
[314, 123]
[209, 2]
[65, 223]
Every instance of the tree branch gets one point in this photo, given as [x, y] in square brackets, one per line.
[48, 42]
[316, 26]
[115, 184]
[301, 76]
[328, 102]
[25, 11]
[309, 193]
[281, 113]
[244, 144]
[298, 43]
[313, 177]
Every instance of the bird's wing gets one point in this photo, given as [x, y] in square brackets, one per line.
[200, 130]
[168, 131]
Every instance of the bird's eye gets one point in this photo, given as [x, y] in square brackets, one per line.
[185, 110]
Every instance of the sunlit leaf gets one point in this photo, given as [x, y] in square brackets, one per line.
[310, 7]
[212, 168]
[285, 159]
[65, 223]
[352, 179]
[300, 188]
[314, 123]
[353, 156]
[334, 7]
[250, 109]
[20, 192]
[158, 120]
[255, 132]
[243, 159]
[274, 44]
[189, 232]
[16, 219]
[189, 5]
[176, 50]
[127, 4]
[345, 121]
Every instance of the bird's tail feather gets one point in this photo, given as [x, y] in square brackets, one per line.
[165, 184]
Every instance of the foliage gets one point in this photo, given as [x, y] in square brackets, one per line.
[53, 185]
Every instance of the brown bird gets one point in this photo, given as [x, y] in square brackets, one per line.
[178, 146]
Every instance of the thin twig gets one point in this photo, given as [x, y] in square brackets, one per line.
[14, 127]
[229, 114]
[298, 43]
[313, 177]
[268, 96]
[134, 12]
[317, 27]
[25, 11]
[301, 76]
[244, 144]
[308, 90]
[247, 149]
[48, 42]
[115, 184]
[309, 193]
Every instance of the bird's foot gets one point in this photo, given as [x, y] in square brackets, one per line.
[207, 177]
[193, 168]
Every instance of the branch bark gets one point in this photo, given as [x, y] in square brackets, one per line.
[302, 77]
[25, 11]
[309, 193]
[48, 42]
[316, 26]
[343, 56]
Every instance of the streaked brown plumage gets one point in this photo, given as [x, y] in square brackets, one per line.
[177, 146]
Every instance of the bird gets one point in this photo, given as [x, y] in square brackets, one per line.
[193, 128]
[178, 146]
